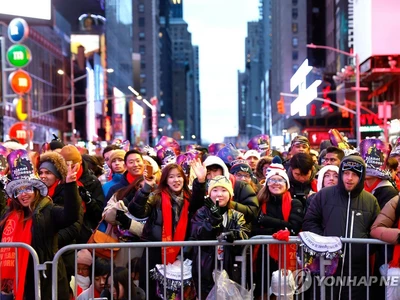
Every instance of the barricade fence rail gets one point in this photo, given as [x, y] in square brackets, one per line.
[293, 273]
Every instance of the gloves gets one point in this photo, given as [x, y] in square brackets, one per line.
[232, 236]
[85, 195]
[123, 220]
[282, 235]
[214, 209]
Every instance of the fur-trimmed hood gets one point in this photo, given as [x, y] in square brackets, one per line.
[57, 160]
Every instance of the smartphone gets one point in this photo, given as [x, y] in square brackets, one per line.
[149, 169]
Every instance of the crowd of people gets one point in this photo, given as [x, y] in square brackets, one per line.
[62, 195]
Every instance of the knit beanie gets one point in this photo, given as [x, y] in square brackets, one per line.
[221, 181]
[117, 154]
[276, 168]
[240, 165]
[71, 153]
[50, 167]
[300, 139]
[84, 257]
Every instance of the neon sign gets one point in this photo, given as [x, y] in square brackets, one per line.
[305, 95]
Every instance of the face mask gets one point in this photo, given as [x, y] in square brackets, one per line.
[83, 282]
[136, 282]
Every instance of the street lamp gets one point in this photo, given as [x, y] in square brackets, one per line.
[358, 89]
[255, 127]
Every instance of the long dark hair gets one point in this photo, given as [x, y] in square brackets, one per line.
[129, 191]
[163, 185]
[121, 275]
[15, 205]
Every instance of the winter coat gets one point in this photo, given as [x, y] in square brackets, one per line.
[384, 192]
[328, 213]
[383, 226]
[116, 178]
[47, 220]
[301, 190]
[94, 207]
[123, 182]
[203, 227]
[274, 220]
[245, 199]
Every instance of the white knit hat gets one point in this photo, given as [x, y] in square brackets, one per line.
[276, 168]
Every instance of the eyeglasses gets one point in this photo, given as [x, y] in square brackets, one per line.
[23, 189]
[243, 176]
[352, 165]
[276, 181]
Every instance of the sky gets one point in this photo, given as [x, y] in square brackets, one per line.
[219, 28]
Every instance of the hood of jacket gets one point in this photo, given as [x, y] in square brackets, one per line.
[57, 160]
[357, 165]
[215, 160]
[322, 172]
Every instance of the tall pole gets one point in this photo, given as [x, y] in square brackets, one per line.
[358, 101]
[73, 128]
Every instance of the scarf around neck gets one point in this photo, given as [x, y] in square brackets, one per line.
[180, 230]
[52, 188]
[16, 229]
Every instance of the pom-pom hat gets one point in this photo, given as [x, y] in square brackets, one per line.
[22, 173]
[276, 168]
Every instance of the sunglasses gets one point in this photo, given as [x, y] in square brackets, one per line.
[23, 189]
[276, 181]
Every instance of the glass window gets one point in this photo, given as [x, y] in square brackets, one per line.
[295, 55]
[295, 13]
[142, 65]
[142, 49]
[143, 91]
[295, 29]
[294, 2]
[141, 36]
[141, 22]
[295, 42]
[295, 67]
[141, 7]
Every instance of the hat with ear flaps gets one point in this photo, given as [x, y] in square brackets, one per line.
[22, 173]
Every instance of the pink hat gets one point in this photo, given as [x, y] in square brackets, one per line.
[84, 257]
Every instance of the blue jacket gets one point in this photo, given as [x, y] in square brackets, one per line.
[116, 178]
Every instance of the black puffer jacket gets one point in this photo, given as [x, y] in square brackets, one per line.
[328, 213]
[273, 221]
[47, 220]
[203, 229]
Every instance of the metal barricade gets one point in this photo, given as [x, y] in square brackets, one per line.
[320, 287]
[37, 267]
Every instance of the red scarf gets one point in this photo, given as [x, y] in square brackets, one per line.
[274, 248]
[314, 184]
[395, 263]
[373, 186]
[15, 230]
[79, 183]
[130, 178]
[52, 188]
[180, 230]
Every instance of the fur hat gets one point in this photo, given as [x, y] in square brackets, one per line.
[221, 181]
[84, 257]
[117, 154]
[22, 173]
[276, 168]
[53, 160]
[71, 153]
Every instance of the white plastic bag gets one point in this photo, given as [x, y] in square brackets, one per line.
[278, 285]
[226, 288]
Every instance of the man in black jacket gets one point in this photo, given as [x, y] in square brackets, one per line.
[346, 210]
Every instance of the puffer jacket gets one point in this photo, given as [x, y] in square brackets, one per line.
[383, 226]
[333, 208]
[202, 229]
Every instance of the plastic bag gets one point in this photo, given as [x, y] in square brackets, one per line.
[278, 282]
[393, 281]
[226, 288]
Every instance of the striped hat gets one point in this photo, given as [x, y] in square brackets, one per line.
[276, 168]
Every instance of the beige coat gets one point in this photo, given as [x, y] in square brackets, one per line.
[382, 227]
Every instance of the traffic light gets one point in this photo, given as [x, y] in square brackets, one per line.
[281, 105]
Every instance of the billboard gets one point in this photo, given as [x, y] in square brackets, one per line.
[38, 10]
